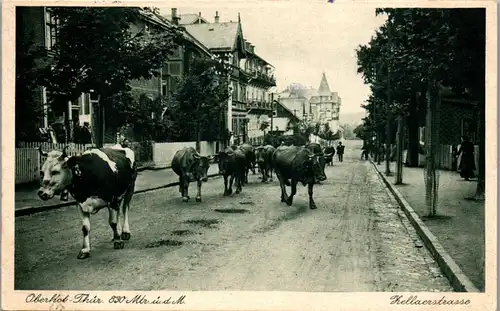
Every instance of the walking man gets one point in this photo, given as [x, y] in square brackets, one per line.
[340, 151]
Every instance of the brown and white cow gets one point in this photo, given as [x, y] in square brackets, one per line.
[96, 179]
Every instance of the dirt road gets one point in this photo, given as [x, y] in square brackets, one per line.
[356, 240]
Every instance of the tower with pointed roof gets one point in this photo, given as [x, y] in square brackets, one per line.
[325, 105]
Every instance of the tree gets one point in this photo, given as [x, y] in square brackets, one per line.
[197, 104]
[297, 89]
[28, 109]
[360, 132]
[96, 50]
[449, 52]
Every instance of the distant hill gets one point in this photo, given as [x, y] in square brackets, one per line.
[351, 118]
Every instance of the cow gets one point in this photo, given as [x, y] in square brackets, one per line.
[316, 150]
[189, 165]
[297, 164]
[329, 153]
[264, 157]
[232, 165]
[96, 179]
[249, 152]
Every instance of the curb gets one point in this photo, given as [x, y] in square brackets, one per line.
[459, 281]
[37, 209]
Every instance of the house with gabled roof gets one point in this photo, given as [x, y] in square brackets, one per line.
[39, 26]
[250, 79]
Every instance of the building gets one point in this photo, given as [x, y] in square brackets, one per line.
[250, 79]
[325, 105]
[297, 104]
[38, 25]
[284, 120]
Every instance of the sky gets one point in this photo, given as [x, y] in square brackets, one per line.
[303, 41]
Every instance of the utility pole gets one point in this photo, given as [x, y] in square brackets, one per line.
[389, 114]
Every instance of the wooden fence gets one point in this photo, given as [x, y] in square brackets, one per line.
[29, 160]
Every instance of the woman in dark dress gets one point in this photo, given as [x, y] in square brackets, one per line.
[467, 163]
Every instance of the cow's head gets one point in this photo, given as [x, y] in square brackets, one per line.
[224, 158]
[201, 166]
[259, 154]
[56, 175]
[315, 165]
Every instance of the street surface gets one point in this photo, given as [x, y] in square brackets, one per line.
[357, 240]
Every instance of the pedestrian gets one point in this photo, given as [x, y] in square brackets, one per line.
[77, 139]
[59, 131]
[365, 150]
[467, 162]
[340, 151]
[85, 134]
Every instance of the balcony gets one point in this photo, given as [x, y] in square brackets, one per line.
[253, 75]
[258, 105]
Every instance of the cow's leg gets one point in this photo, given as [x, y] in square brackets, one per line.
[253, 167]
[231, 180]
[263, 171]
[125, 211]
[310, 186]
[114, 213]
[185, 196]
[198, 195]
[284, 196]
[226, 192]
[293, 191]
[239, 181]
[270, 170]
[85, 216]
[181, 186]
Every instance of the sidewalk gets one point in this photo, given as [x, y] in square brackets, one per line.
[146, 179]
[459, 225]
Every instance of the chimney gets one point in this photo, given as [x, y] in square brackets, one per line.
[216, 16]
[175, 18]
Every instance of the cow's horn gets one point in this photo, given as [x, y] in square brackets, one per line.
[196, 156]
[43, 153]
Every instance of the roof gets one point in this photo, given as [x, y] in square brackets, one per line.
[324, 88]
[187, 36]
[308, 93]
[216, 36]
[155, 18]
[186, 19]
[288, 109]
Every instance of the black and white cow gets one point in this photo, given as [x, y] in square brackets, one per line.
[96, 179]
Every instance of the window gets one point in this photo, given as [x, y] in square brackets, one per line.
[235, 90]
[242, 93]
[175, 69]
[51, 28]
[84, 103]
